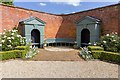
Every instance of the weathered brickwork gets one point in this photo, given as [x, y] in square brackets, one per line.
[62, 26]
[119, 19]
[11, 17]
[109, 16]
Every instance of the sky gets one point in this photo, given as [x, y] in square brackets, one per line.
[62, 7]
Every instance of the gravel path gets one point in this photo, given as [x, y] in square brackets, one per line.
[46, 55]
[58, 69]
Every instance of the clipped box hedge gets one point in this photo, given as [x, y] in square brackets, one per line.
[7, 55]
[12, 54]
[99, 53]
[20, 53]
[110, 56]
[94, 48]
[105, 55]
[21, 47]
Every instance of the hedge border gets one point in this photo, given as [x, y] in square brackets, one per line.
[105, 55]
[12, 54]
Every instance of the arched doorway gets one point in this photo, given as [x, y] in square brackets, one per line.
[35, 37]
[85, 37]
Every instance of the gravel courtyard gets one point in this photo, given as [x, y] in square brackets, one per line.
[58, 69]
[57, 63]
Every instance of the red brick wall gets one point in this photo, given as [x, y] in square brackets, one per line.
[108, 15]
[11, 17]
[119, 19]
[0, 19]
[62, 26]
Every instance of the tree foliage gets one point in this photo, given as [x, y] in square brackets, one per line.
[7, 2]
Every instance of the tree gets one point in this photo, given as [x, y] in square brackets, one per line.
[7, 2]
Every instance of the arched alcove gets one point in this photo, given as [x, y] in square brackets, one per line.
[33, 29]
[85, 37]
[88, 30]
[35, 37]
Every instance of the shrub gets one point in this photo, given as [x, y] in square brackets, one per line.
[91, 48]
[7, 55]
[86, 54]
[105, 55]
[97, 54]
[110, 42]
[32, 52]
[10, 39]
[20, 48]
[110, 56]
[20, 53]
[12, 54]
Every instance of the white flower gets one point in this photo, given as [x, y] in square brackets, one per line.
[89, 43]
[14, 30]
[30, 46]
[24, 37]
[9, 46]
[112, 36]
[3, 41]
[0, 33]
[18, 35]
[5, 36]
[9, 30]
[12, 37]
[3, 32]
[107, 34]
[114, 40]
[104, 41]
[89, 51]
[101, 45]
[9, 41]
[116, 33]
[94, 44]
[12, 34]
[0, 44]
[4, 29]
[9, 38]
